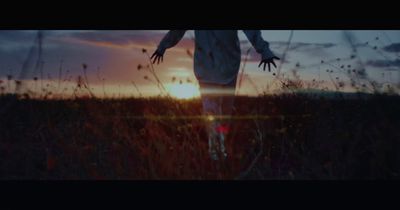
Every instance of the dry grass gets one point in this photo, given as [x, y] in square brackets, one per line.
[118, 139]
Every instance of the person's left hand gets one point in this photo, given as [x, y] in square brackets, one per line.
[269, 61]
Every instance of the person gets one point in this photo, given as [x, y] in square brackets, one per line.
[217, 58]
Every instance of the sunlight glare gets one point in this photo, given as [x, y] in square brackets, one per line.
[184, 91]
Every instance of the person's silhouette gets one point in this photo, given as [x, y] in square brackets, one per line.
[217, 59]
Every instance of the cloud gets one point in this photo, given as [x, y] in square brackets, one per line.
[296, 46]
[12, 40]
[384, 63]
[312, 49]
[124, 39]
[150, 39]
[301, 46]
[117, 38]
[16, 35]
[395, 47]
[97, 48]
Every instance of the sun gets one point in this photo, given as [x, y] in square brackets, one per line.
[183, 91]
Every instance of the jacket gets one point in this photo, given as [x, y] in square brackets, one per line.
[217, 53]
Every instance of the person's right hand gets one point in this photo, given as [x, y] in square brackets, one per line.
[157, 56]
[268, 61]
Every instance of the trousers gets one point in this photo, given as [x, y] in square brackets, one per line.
[218, 103]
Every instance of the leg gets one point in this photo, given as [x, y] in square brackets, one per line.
[226, 104]
[218, 102]
[211, 108]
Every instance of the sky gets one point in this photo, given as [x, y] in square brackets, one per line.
[113, 64]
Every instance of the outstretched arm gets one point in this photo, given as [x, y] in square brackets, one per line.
[262, 47]
[170, 39]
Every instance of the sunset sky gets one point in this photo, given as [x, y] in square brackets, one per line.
[115, 56]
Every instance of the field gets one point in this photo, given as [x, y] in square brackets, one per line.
[287, 136]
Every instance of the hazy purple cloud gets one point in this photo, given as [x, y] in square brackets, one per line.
[119, 38]
[313, 49]
[395, 47]
[384, 63]
[16, 35]
[125, 38]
